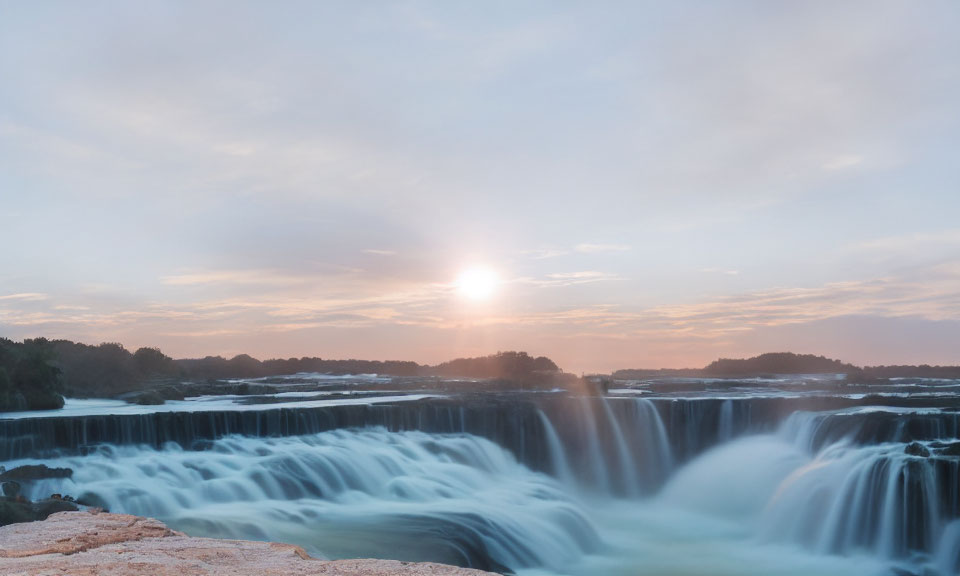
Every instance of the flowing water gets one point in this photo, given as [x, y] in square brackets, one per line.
[538, 484]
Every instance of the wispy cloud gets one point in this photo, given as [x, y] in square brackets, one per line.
[935, 296]
[235, 277]
[843, 162]
[949, 238]
[560, 279]
[379, 252]
[26, 297]
[582, 248]
[725, 272]
[544, 253]
[593, 248]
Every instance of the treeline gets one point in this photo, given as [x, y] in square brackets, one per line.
[245, 366]
[790, 363]
[507, 365]
[922, 371]
[35, 374]
[29, 377]
[645, 373]
[109, 368]
[779, 363]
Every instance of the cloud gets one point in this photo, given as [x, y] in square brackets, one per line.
[560, 279]
[26, 297]
[863, 340]
[843, 162]
[919, 241]
[543, 253]
[250, 195]
[234, 277]
[585, 275]
[594, 248]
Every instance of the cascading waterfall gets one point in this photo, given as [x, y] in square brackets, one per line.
[725, 427]
[561, 468]
[853, 497]
[848, 499]
[626, 463]
[448, 498]
[571, 485]
[948, 557]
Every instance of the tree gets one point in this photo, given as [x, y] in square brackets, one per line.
[153, 362]
[37, 377]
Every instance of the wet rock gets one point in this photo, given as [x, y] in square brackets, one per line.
[11, 489]
[149, 399]
[35, 472]
[14, 511]
[951, 449]
[91, 500]
[917, 449]
[122, 545]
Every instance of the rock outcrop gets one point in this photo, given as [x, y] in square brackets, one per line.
[101, 544]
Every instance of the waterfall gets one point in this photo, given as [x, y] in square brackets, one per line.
[725, 427]
[529, 483]
[627, 466]
[449, 498]
[561, 468]
[948, 556]
[652, 443]
[851, 498]
[619, 446]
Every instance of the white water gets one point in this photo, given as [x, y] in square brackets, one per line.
[762, 504]
[102, 406]
[739, 509]
[346, 493]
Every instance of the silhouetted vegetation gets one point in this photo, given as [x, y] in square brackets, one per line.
[244, 366]
[778, 363]
[34, 373]
[790, 363]
[29, 376]
[109, 368]
[509, 365]
[646, 373]
[921, 371]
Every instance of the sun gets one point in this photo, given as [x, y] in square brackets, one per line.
[478, 283]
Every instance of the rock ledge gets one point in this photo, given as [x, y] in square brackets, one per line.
[101, 544]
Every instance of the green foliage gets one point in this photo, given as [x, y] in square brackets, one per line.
[510, 365]
[779, 363]
[29, 376]
[6, 388]
[150, 398]
[153, 362]
[34, 373]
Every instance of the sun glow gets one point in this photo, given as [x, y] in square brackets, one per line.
[477, 283]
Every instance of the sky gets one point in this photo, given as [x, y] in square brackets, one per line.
[640, 184]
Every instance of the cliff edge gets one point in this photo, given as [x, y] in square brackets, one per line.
[101, 544]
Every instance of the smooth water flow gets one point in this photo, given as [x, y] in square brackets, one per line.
[572, 485]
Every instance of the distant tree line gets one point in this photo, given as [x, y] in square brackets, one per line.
[508, 365]
[36, 374]
[790, 363]
[906, 371]
[779, 363]
[644, 373]
[245, 366]
[29, 376]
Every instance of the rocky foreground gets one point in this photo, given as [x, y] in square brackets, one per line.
[90, 543]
